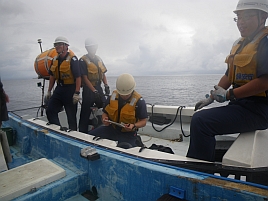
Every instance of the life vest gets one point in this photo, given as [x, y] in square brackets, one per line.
[95, 73]
[65, 73]
[243, 65]
[128, 111]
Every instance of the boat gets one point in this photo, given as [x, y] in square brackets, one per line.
[85, 168]
[42, 161]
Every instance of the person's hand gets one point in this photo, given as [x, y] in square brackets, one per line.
[6, 98]
[105, 121]
[47, 97]
[98, 100]
[76, 98]
[203, 103]
[219, 94]
[130, 127]
[106, 89]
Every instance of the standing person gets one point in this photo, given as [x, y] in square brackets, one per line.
[126, 106]
[247, 72]
[66, 72]
[3, 107]
[93, 74]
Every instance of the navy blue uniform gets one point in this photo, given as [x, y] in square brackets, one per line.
[3, 106]
[63, 96]
[243, 115]
[88, 98]
[109, 132]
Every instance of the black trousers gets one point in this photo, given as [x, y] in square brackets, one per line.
[88, 101]
[109, 132]
[237, 117]
[62, 96]
[3, 106]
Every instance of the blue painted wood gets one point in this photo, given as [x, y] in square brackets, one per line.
[177, 192]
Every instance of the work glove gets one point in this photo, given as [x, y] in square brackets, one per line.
[98, 101]
[76, 98]
[47, 97]
[106, 89]
[219, 94]
[203, 103]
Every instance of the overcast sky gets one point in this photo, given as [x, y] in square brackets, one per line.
[141, 37]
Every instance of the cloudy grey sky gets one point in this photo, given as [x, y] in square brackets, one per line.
[141, 37]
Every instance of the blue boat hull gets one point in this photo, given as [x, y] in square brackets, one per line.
[117, 176]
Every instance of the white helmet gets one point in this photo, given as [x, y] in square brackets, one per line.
[91, 46]
[90, 42]
[61, 39]
[252, 4]
[125, 84]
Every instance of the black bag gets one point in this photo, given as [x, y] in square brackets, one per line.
[161, 148]
[159, 120]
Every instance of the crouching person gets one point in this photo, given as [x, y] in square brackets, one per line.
[123, 114]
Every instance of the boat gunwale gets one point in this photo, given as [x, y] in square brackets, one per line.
[161, 162]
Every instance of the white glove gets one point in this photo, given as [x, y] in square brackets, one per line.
[76, 98]
[47, 97]
[219, 94]
[203, 103]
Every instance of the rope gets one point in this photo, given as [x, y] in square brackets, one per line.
[178, 109]
[25, 109]
[39, 107]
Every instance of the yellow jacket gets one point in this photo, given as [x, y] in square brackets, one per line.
[65, 73]
[95, 73]
[128, 111]
[243, 65]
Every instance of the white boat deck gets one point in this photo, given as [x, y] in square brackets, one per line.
[171, 136]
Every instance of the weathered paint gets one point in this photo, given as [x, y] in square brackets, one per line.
[121, 177]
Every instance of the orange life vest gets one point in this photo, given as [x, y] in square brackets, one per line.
[65, 74]
[95, 72]
[243, 65]
[128, 111]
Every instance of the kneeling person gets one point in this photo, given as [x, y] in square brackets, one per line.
[125, 106]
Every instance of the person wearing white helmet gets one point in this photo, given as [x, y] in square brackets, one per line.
[244, 85]
[93, 75]
[123, 114]
[66, 72]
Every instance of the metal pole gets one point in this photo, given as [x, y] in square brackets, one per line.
[43, 87]
[40, 41]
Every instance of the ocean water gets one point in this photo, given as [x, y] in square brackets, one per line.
[181, 90]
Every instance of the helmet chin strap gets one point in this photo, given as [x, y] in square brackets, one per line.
[258, 28]
[259, 21]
